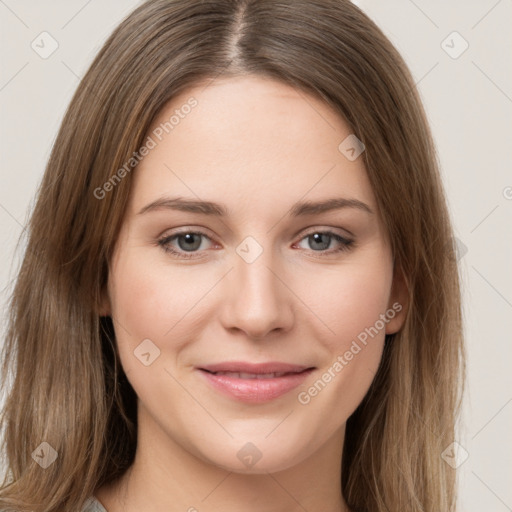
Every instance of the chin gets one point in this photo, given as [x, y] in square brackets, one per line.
[260, 456]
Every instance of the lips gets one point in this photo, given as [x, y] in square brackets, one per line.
[255, 383]
[253, 368]
[244, 375]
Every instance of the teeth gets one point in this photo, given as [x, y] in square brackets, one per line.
[242, 375]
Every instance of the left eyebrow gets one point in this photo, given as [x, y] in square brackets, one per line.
[209, 208]
[312, 208]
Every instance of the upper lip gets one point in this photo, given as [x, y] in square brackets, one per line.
[254, 368]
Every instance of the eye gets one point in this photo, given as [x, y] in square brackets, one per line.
[319, 241]
[188, 242]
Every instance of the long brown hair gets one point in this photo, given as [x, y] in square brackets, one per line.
[68, 388]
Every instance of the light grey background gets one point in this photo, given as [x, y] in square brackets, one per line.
[469, 105]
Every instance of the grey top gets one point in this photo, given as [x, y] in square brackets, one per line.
[93, 505]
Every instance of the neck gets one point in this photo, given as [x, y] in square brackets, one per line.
[167, 477]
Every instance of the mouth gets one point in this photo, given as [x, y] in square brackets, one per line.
[254, 383]
[244, 375]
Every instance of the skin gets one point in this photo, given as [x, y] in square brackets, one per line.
[258, 147]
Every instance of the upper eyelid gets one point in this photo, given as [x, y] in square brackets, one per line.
[205, 231]
[306, 232]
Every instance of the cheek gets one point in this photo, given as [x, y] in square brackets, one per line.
[352, 303]
[349, 300]
[155, 302]
[162, 303]
[139, 296]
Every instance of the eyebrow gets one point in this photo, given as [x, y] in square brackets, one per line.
[209, 208]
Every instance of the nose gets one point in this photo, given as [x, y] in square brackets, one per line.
[256, 298]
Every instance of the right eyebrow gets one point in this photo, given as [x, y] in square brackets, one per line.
[210, 208]
[185, 205]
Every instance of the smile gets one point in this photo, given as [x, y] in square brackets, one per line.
[253, 383]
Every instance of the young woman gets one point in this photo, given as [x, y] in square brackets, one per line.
[239, 289]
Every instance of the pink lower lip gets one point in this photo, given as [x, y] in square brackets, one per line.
[256, 390]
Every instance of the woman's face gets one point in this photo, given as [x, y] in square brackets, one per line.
[252, 283]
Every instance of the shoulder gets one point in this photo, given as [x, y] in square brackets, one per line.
[93, 505]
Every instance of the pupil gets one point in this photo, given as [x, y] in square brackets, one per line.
[317, 238]
[189, 237]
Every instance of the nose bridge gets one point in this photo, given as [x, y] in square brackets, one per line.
[256, 301]
[257, 282]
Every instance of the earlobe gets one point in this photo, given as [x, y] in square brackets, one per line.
[104, 309]
[398, 305]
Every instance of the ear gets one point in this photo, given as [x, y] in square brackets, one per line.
[398, 302]
[104, 307]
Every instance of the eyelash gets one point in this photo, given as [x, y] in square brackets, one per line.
[164, 242]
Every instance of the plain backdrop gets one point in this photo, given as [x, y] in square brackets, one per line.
[460, 53]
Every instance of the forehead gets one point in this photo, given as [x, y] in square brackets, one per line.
[249, 142]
